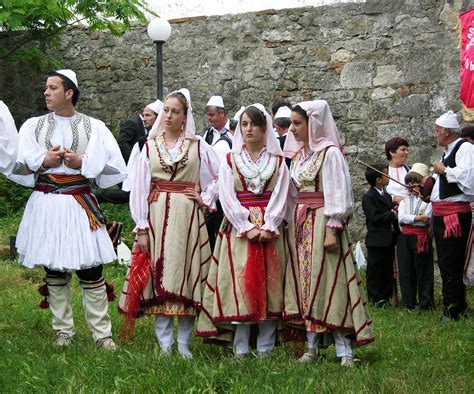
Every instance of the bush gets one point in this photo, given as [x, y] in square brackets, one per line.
[13, 197]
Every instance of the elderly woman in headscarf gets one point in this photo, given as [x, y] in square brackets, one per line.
[323, 292]
[244, 287]
[171, 181]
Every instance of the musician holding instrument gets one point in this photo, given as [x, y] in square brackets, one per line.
[451, 196]
[414, 244]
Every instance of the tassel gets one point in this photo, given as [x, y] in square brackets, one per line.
[43, 290]
[109, 288]
[44, 304]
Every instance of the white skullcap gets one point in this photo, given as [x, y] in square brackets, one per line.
[238, 113]
[215, 101]
[449, 120]
[420, 168]
[283, 112]
[155, 106]
[69, 74]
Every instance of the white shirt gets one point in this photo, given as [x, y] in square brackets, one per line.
[393, 188]
[8, 140]
[102, 159]
[139, 182]
[410, 207]
[338, 197]
[462, 174]
[220, 147]
[239, 215]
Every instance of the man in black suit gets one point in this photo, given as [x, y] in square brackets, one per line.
[381, 221]
[133, 130]
[136, 128]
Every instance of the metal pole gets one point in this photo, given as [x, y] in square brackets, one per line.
[159, 69]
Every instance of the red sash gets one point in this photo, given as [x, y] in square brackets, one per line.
[449, 211]
[79, 187]
[421, 233]
[248, 199]
[262, 268]
[167, 187]
[308, 200]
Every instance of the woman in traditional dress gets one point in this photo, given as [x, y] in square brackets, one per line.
[396, 150]
[245, 282]
[323, 293]
[166, 205]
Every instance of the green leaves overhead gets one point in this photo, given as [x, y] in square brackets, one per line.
[41, 21]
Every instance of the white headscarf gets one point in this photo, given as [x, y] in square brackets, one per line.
[271, 142]
[190, 127]
[322, 130]
[155, 106]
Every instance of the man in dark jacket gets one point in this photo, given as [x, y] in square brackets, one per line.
[136, 128]
[133, 130]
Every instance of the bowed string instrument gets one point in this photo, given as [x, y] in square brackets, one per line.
[426, 187]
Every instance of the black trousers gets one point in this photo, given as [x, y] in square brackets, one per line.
[112, 195]
[213, 223]
[88, 275]
[379, 273]
[451, 254]
[416, 273]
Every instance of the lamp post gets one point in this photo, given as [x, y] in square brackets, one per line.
[159, 30]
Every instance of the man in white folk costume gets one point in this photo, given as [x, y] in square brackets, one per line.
[62, 229]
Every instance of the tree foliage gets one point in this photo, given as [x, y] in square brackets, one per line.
[41, 22]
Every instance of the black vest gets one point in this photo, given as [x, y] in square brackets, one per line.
[209, 136]
[449, 189]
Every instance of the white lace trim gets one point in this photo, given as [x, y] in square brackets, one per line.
[256, 174]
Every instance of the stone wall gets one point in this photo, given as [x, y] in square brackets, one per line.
[386, 68]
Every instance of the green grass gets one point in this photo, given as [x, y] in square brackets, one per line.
[411, 353]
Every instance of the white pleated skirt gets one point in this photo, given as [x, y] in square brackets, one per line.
[54, 232]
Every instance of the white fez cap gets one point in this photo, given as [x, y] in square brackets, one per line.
[420, 168]
[215, 101]
[155, 106]
[449, 120]
[239, 112]
[69, 74]
[283, 112]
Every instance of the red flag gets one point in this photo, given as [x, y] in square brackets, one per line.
[467, 64]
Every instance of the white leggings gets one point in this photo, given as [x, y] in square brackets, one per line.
[164, 326]
[265, 338]
[343, 344]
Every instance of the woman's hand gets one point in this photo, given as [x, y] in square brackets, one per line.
[253, 235]
[193, 194]
[265, 236]
[330, 241]
[143, 242]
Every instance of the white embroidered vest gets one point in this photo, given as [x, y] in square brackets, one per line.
[81, 132]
